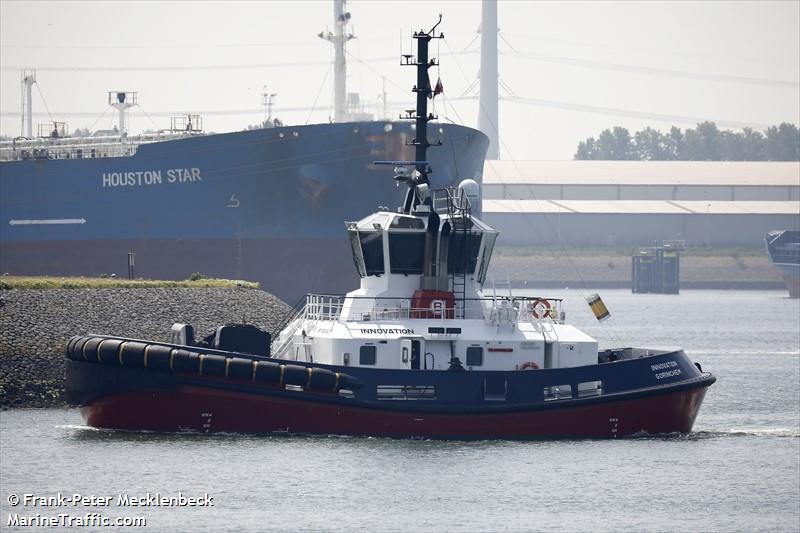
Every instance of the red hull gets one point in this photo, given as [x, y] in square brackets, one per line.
[207, 410]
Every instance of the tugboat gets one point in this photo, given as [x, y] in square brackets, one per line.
[418, 350]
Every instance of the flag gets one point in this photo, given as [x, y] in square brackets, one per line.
[439, 89]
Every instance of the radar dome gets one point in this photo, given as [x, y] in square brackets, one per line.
[471, 190]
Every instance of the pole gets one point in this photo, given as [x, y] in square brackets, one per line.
[488, 116]
[339, 68]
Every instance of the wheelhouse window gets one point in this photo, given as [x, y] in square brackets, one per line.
[372, 251]
[486, 256]
[401, 222]
[474, 356]
[358, 258]
[406, 252]
[463, 254]
[367, 355]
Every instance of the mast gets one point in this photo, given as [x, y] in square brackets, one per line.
[28, 79]
[424, 91]
[418, 186]
[488, 116]
[339, 39]
[122, 101]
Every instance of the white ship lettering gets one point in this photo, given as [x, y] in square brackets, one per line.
[139, 178]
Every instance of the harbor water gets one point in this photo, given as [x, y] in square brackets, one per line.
[739, 470]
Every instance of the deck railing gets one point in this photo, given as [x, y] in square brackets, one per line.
[498, 310]
[81, 147]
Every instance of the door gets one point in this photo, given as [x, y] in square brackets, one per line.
[411, 354]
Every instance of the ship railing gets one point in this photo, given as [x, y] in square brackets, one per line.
[497, 310]
[81, 147]
[451, 200]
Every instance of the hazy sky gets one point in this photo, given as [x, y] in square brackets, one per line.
[567, 69]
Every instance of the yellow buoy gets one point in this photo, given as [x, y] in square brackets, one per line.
[598, 307]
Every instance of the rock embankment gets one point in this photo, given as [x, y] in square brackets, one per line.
[35, 325]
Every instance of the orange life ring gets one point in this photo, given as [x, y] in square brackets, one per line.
[542, 305]
[529, 364]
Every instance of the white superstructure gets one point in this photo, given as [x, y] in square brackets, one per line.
[420, 304]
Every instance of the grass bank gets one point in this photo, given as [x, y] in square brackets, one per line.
[50, 282]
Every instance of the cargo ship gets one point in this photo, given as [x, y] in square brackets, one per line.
[262, 205]
[418, 350]
[783, 248]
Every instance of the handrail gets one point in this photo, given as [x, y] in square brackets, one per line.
[496, 310]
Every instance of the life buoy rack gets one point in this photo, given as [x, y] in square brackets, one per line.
[541, 309]
[529, 365]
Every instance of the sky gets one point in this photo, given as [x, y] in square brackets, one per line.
[567, 70]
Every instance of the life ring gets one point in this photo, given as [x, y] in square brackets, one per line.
[541, 308]
[437, 308]
[529, 364]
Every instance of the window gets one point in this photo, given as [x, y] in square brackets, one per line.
[408, 223]
[453, 331]
[367, 355]
[558, 392]
[406, 392]
[358, 258]
[436, 330]
[372, 250]
[406, 252]
[488, 245]
[590, 388]
[463, 253]
[474, 356]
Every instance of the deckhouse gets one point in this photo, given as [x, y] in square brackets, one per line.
[421, 304]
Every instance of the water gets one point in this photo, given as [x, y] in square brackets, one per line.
[738, 471]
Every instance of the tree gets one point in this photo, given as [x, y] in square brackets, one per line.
[703, 143]
[676, 145]
[731, 146]
[616, 145]
[753, 147]
[650, 145]
[782, 143]
[587, 149]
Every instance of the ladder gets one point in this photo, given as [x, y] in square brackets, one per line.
[458, 209]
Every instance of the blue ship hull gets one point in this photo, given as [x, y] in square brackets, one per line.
[264, 205]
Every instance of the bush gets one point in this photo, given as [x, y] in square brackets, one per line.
[197, 276]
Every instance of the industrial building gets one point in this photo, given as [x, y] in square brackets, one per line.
[616, 203]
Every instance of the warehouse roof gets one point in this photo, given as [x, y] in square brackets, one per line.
[642, 173]
[642, 207]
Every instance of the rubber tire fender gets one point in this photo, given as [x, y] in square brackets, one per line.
[108, 351]
[239, 368]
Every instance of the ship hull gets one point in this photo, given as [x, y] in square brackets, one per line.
[230, 412]
[783, 248]
[284, 267]
[123, 384]
[235, 205]
[791, 278]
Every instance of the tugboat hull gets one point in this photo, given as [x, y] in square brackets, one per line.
[207, 410]
[140, 386]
